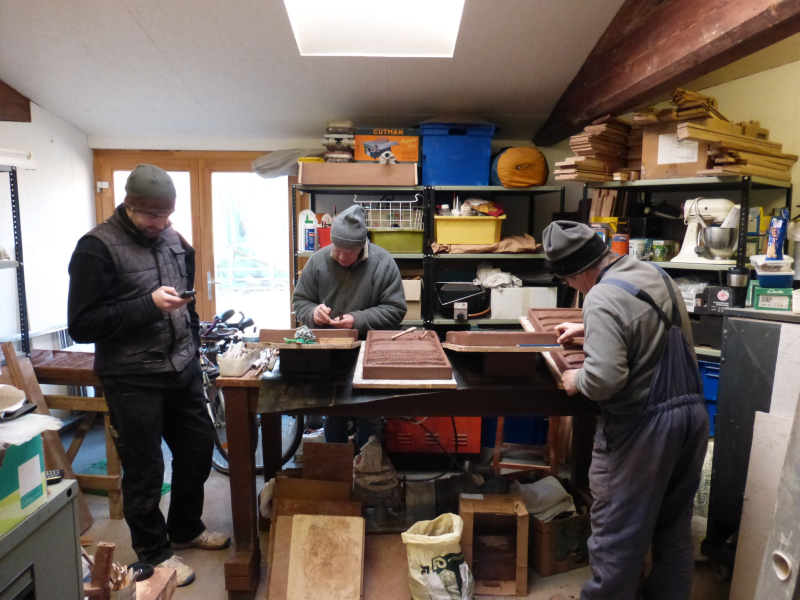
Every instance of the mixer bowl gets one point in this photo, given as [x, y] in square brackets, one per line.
[719, 242]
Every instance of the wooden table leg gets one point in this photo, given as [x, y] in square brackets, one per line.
[583, 427]
[113, 467]
[243, 563]
[272, 453]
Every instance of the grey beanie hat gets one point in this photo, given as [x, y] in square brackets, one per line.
[349, 230]
[150, 188]
[572, 247]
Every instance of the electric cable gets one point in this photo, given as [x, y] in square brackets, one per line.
[453, 457]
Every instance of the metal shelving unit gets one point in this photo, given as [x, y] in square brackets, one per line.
[429, 279]
[18, 264]
[743, 184]
[427, 258]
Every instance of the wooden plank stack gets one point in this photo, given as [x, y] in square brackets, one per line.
[740, 154]
[691, 105]
[600, 150]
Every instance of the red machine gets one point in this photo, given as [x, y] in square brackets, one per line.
[404, 436]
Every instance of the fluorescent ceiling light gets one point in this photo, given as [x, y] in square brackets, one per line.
[412, 28]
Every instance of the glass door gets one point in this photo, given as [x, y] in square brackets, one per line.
[250, 217]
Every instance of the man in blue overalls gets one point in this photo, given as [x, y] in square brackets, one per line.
[651, 438]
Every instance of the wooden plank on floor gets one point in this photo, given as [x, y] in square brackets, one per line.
[326, 558]
[311, 489]
[279, 566]
[328, 462]
[292, 507]
[385, 568]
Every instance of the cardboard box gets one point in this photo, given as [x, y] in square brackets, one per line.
[664, 156]
[696, 303]
[560, 545]
[371, 142]
[22, 483]
[772, 299]
[413, 291]
[358, 174]
[511, 303]
[719, 298]
[495, 543]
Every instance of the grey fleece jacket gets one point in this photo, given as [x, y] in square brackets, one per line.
[624, 337]
[371, 290]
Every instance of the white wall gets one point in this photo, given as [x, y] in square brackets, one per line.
[56, 208]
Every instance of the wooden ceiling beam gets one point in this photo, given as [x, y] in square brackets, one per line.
[13, 105]
[653, 46]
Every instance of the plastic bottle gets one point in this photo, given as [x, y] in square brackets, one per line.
[444, 210]
[309, 234]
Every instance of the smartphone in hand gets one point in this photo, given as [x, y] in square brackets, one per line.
[188, 294]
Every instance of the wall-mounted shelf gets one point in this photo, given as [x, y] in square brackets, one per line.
[694, 266]
[8, 264]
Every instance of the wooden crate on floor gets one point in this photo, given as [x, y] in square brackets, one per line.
[495, 543]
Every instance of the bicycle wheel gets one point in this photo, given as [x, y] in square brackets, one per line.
[292, 435]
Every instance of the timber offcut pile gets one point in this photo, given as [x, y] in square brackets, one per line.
[741, 154]
[734, 148]
[600, 151]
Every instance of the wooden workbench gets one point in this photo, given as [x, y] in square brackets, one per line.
[333, 394]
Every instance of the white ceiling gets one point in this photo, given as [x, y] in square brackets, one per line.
[231, 68]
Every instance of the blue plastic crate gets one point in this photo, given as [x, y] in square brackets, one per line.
[455, 154]
[709, 373]
[516, 430]
[712, 415]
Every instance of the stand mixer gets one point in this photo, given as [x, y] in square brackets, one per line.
[704, 243]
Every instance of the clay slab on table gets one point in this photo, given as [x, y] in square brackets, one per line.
[501, 338]
[407, 357]
[546, 319]
[277, 336]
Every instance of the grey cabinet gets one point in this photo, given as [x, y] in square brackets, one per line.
[40, 559]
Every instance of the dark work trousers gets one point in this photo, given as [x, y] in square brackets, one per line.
[645, 472]
[142, 416]
[336, 430]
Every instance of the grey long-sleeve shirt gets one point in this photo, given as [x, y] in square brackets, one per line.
[371, 290]
[624, 337]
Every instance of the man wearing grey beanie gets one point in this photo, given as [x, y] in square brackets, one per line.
[351, 284]
[128, 276]
[652, 434]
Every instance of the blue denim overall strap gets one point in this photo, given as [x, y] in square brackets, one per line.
[676, 381]
[644, 475]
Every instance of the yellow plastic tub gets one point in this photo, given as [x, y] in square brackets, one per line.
[468, 230]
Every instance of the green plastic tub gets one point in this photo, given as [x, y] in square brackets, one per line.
[398, 241]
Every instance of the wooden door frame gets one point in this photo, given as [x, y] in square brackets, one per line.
[200, 165]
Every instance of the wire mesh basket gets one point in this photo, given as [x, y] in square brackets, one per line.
[388, 213]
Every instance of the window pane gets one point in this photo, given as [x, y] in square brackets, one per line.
[251, 247]
[182, 217]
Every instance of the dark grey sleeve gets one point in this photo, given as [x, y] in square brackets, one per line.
[391, 307]
[605, 371]
[306, 296]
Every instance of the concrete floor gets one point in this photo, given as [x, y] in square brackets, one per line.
[208, 566]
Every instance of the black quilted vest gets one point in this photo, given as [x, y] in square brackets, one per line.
[166, 344]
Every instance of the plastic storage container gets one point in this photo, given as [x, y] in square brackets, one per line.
[709, 373]
[468, 230]
[775, 279]
[398, 241]
[456, 154]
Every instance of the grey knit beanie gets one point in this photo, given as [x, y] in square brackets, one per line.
[150, 188]
[572, 247]
[349, 230]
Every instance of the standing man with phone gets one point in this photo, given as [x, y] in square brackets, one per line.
[128, 295]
